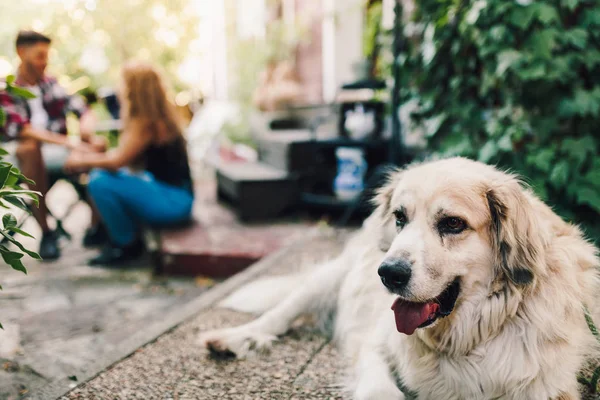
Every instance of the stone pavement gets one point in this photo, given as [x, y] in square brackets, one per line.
[303, 365]
[127, 337]
[66, 321]
[64, 314]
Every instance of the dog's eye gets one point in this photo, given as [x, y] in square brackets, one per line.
[452, 225]
[401, 219]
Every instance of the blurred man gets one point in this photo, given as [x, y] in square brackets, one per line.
[38, 127]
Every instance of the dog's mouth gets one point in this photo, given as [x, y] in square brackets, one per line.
[410, 315]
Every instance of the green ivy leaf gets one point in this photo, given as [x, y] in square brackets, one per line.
[560, 174]
[567, 108]
[10, 79]
[593, 175]
[584, 102]
[522, 16]
[456, 145]
[546, 13]
[543, 159]
[543, 42]
[524, 72]
[498, 32]
[592, 57]
[570, 4]
[488, 151]
[591, 17]
[2, 118]
[505, 143]
[539, 187]
[533, 72]
[9, 221]
[589, 196]
[507, 59]
[577, 37]
[3, 152]
[432, 125]
[578, 149]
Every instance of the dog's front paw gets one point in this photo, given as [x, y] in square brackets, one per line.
[235, 342]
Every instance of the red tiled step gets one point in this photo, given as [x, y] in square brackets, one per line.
[217, 245]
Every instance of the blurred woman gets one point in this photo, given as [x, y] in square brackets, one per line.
[146, 180]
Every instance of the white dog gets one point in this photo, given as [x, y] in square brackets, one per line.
[487, 289]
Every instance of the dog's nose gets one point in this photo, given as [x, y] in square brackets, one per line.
[395, 273]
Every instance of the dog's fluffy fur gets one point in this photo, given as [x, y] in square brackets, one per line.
[517, 329]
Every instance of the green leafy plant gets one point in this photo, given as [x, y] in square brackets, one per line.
[12, 195]
[592, 382]
[517, 84]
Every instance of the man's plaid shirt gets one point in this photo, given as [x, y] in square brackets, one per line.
[55, 100]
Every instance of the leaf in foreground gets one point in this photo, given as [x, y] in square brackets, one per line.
[13, 259]
[30, 253]
[20, 232]
[9, 221]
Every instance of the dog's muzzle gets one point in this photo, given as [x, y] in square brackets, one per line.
[395, 274]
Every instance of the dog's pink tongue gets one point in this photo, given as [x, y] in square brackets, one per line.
[409, 316]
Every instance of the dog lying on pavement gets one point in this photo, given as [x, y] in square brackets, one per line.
[460, 285]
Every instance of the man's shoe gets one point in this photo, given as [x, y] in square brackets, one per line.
[49, 249]
[112, 255]
[95, 236]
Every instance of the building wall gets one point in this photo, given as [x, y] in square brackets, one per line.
[348, 39]
[324, 62]
[308, 54]
[329, 59]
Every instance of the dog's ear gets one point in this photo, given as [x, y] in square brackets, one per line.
[383, 212]
[517, 239]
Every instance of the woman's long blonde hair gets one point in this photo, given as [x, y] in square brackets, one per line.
[144, 99]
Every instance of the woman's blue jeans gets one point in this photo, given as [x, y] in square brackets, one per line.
[128, 200]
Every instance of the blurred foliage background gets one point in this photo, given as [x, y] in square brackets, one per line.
[511, 83]
[92, 38]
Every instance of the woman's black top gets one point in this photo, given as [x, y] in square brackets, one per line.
[169, 163]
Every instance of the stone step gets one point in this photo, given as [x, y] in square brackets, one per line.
[216, 244]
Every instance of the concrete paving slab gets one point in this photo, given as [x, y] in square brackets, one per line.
[10, 340]
[302, 365]
[65, 319]
[157, 357]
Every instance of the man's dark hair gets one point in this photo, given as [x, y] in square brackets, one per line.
[29, 38]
